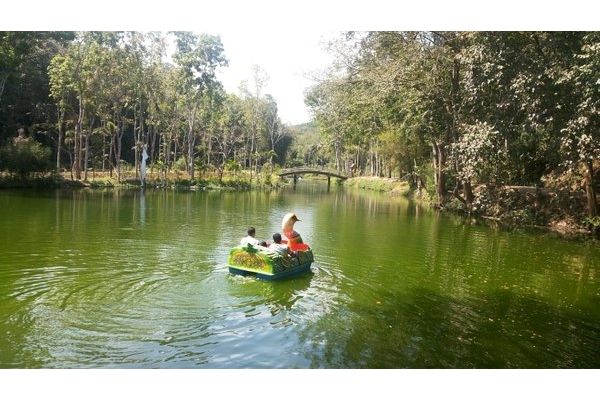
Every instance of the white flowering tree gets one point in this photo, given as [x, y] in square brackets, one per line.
[477, 156]
[581, 141]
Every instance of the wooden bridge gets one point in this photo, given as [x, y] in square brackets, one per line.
[295, 172]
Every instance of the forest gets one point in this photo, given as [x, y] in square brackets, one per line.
[96, 100]
[453, 111]
[449, 112]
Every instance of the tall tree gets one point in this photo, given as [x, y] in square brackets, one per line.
[198, 57]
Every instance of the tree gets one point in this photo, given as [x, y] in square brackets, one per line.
[519, 96]
[581, 140]
[478, 154]
[111, 93]
[25, 158]
[24, 89]
[255, 115]
[198, 58]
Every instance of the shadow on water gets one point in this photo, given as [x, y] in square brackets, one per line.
[278, 296]
[428, 330]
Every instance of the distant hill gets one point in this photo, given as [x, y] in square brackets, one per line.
[306, 134]
[306, 145]
[305, 128]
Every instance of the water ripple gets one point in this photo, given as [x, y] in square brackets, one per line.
[138, 280]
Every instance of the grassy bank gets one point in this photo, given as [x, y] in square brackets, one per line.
[509, 206]
[174, 180]
[394, 187]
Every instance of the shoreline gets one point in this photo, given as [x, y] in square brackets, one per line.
[60, 181]
[549, 218]
[564, 224]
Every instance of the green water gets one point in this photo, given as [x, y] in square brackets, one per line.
[131, 279]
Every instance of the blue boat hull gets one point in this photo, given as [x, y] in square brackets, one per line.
[272, 277]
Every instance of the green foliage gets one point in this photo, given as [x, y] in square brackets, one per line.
[479, 107]
[233, 166]
[24, 92]
[392, 186]
[479, 153]
[103, 96]
[25, 158]
[184, 182]
[592, 224]
[180, 164]
[102, 183]
[581, 140]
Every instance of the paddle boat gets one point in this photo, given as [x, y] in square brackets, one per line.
[267, 264]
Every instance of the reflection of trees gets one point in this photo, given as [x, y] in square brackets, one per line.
[436, 292]
[428, 330]
[86, 260]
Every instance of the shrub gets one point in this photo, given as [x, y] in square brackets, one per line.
[25, 158]
[233, 166]
[593, 224]
[180, 164]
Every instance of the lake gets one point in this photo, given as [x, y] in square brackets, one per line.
[139, 279]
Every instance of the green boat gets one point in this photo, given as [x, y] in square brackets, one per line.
[267, 264]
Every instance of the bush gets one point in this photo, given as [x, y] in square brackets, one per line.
[180, 164]
[392, 186]
[593, 224]
[233, 166]
[25, 158]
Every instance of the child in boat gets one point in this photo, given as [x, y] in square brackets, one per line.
[251, 239]
[279, 247]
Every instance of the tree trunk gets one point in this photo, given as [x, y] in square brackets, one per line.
[191, 141]
[71, 163]
[468, 194]
[441, 189]
[136, 135]
[74, 160]
[87, 145]
[3, 79]
[85, 158]
[440, 159]
[251, 152]
[80, 152]
[140, 142]
[111, 150]
[61, 116]
[167, 147]
[190, 157]
[152, 134]
[175, 150]
[590, 190]
[103, 124]
[76, 166]
[81, 144]
[117, 148]
[209, 147]
[434, 162]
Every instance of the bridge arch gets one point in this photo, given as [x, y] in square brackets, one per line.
[295, 172]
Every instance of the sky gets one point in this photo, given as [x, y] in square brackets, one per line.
[289, 59]
[285, 38]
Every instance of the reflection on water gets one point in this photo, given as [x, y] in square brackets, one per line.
[138, 279]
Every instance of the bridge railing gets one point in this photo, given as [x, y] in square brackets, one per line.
[312, 170]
